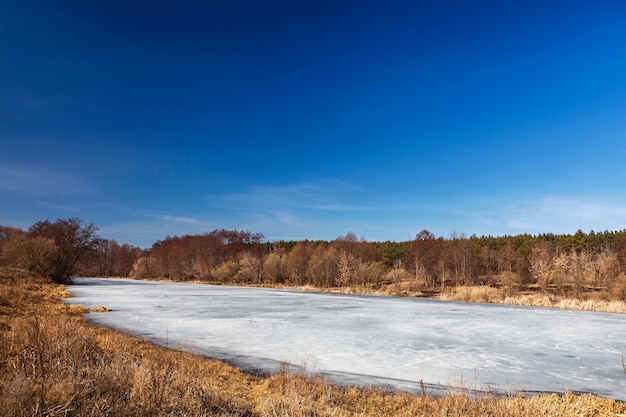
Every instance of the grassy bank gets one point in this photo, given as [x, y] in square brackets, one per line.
[483, 294]
[477, 294]
[53, 363]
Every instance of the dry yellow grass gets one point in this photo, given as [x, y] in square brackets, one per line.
[76, 309]
[475, 294]
[485, 294]
[593, 305]
[99, 309]
[52, 363]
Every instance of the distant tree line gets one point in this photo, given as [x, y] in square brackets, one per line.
[64, 248]
[568, 264]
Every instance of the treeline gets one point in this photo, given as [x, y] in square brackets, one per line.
[567, 264]
[64, 248]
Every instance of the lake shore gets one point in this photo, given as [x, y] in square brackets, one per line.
[123, 376]
[370, 340]
[471, 294]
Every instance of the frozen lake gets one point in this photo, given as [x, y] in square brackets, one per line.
[394, 342]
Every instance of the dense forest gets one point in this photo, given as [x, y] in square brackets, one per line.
[570, 265]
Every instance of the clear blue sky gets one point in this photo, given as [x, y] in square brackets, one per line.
[309, 119]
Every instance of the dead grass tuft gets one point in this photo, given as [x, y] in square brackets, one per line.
[593, 305]
[62, 292]
[475, 294]
[99, 309]
[76, 309]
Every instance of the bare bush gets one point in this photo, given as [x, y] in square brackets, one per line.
[225, 272]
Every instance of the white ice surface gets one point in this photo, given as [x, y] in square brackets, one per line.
[395, 342]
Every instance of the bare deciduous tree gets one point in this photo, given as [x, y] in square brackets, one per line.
[297, 262]
[541, 264]
[36, 254]
[250, 268]
[322, 267]
[274, 266]
[424, 257]
[345, 267]
[72, 240]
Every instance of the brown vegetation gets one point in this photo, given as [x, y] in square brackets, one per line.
[66, 247]
[99, 309]
[52, 363]
[580, 271]
[483, 294]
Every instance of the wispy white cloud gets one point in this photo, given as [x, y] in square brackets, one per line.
[289, 219]
[321, 196]
[193, 224]
[138, 233]
[564, 214]
[36, 181]
[339, 207]
[299, 210]
[179, 219]
[512, 214]
[324, 211]
[150, 228]
[58, 207]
